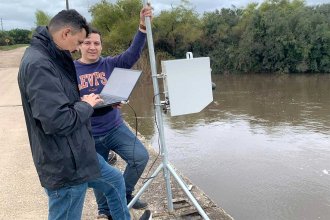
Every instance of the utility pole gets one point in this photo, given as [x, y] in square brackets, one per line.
[67, 4]
[1, 25]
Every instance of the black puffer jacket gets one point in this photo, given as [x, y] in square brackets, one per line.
[58, 123]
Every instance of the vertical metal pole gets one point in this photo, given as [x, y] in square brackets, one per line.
[1, 25]
[167, 169]
[67, 4]
[158, 111]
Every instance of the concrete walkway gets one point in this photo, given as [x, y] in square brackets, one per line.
[21, 195]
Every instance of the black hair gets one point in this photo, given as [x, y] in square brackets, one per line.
[93, 30]
[69, 18]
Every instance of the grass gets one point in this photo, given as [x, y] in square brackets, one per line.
[11, 47]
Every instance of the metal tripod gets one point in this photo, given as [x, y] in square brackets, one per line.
[165, 166]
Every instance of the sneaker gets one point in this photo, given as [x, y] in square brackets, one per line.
[103, 216]
[146, 215]
[139, 204]
[112, 158]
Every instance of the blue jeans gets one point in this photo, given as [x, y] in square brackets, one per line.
[124, 142]
[67, 203]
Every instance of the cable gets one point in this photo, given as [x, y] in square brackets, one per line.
[153, 163]
[153, 101]
[135, 140]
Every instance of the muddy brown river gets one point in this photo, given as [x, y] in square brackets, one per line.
[261, 150]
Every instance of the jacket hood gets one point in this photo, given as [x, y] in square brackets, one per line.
[42, 34]
[42, 39]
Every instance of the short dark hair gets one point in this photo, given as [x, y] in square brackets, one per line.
[68, 18]
[95, 31]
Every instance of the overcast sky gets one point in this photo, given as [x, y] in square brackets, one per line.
[20, 14]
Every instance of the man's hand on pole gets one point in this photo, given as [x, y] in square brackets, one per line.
[146, 11]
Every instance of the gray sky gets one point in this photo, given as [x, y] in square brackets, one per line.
[20, 14]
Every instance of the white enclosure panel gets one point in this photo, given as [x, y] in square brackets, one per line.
[189, 84]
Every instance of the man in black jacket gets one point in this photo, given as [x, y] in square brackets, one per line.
[58, 122]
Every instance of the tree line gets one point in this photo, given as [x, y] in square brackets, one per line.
[15, 36]
[275, 36]
[22, 36]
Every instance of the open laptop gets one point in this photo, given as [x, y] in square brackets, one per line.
[119, 86]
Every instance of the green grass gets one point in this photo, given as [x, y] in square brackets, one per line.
[11, 47]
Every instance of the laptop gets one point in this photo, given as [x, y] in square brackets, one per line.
[118, 87]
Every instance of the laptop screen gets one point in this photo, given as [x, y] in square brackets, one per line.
[120, 84]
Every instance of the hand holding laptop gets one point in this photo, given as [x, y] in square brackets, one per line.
[118, 105]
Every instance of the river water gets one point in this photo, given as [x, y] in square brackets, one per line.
[261, 150]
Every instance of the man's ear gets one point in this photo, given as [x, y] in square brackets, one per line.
[65, 32]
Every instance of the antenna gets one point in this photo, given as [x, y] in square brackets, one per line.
[67, 4]
[165, 165]
[1, 25]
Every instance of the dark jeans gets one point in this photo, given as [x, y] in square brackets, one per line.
[124, 142]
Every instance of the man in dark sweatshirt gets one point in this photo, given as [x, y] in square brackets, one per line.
[108, 128]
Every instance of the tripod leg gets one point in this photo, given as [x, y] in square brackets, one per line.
[145, 186]
[190, 196]
[168, 188]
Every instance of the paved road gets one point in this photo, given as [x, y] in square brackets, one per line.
[21, 195]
